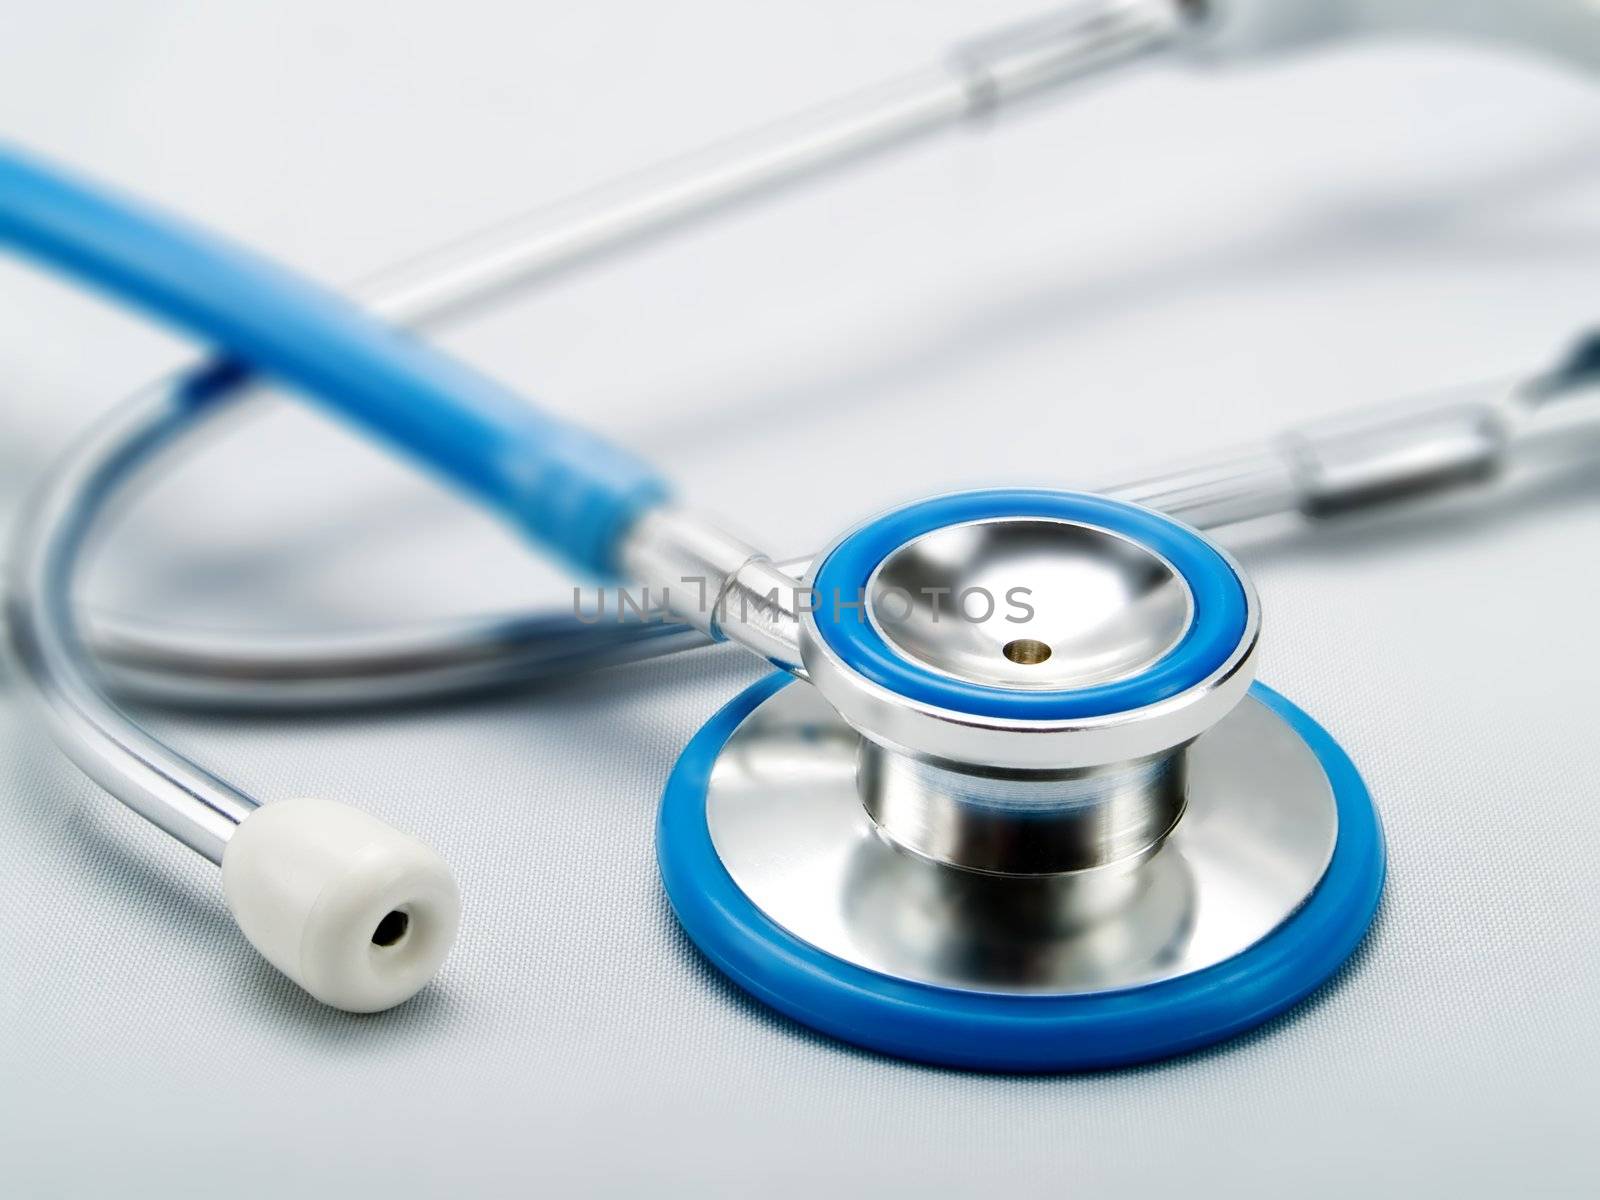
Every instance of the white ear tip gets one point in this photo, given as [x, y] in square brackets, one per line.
[354, 911]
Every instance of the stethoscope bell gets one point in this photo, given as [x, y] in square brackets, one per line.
[1032, 814]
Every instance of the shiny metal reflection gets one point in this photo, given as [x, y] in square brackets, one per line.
[789, 825]
[1035, 604]
[1022, 822]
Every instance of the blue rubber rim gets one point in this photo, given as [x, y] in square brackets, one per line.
[1220, 607]
[1010, 1032]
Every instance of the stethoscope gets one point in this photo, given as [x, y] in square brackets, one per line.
[1012, 798]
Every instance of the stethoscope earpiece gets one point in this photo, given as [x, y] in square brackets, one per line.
[354, 911]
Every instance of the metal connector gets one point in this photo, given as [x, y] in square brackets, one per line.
[721, 585]
[1355, 462]
[1071, 43]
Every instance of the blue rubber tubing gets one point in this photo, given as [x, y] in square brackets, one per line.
[570, 490]
[1214, 633]
[990, 1031]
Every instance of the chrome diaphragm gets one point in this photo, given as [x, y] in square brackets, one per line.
[790, 827]
[1025, 686]
[1032, 812]
[1035, 605]
[1012, 715]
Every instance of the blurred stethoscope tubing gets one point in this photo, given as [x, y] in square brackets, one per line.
[1065, 830]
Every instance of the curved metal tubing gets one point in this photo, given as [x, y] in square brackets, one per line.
[202, 810]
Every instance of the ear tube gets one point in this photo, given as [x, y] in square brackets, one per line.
[357, 913]
[354, 911]
[1566, 31]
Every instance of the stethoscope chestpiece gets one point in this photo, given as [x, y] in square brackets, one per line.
[1032, 814]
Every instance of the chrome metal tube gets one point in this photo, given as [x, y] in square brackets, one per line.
[1221, 490]
[1077, 40]
[403, 665]
[1565, 30]
[155, 781]
[727, 589]
[1370, 456]
[200, 809]
[1547, 422]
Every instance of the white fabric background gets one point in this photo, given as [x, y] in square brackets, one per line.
[1174, 262]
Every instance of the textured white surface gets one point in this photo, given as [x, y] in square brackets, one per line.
[1174, 262]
